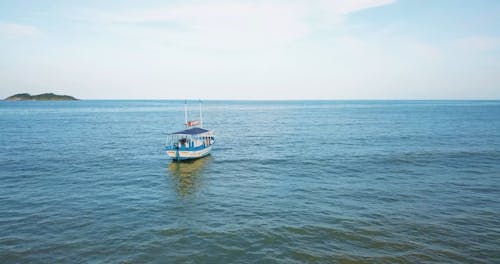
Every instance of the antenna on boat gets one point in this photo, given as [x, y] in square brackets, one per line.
[185, 113]
[201, 116]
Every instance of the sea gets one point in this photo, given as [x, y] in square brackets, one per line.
[287, 182]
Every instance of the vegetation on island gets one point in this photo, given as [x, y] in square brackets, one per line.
[40, 97]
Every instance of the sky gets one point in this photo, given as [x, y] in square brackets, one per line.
[242, 49]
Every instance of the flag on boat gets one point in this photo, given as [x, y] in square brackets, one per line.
[193, 123]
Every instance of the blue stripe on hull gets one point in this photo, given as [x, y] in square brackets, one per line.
[188, 155]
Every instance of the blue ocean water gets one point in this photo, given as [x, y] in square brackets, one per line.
[287, 182]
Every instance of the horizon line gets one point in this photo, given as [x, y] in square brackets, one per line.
[269, 99]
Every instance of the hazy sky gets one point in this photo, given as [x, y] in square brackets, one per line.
[302, 49]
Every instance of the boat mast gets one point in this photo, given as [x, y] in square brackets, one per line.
[185, 113]
[201, 117]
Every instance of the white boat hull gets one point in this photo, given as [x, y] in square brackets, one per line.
[188, 154]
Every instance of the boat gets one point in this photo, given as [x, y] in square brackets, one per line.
[193, 142]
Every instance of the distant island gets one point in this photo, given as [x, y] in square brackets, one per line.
[40, 97]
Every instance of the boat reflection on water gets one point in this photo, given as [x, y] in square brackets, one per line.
[187, 174]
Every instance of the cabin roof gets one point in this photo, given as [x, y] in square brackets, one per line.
[192, 131]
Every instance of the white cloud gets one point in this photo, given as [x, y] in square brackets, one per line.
[230, 25]
[478, 43]
[350, 6]
[12, 30]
